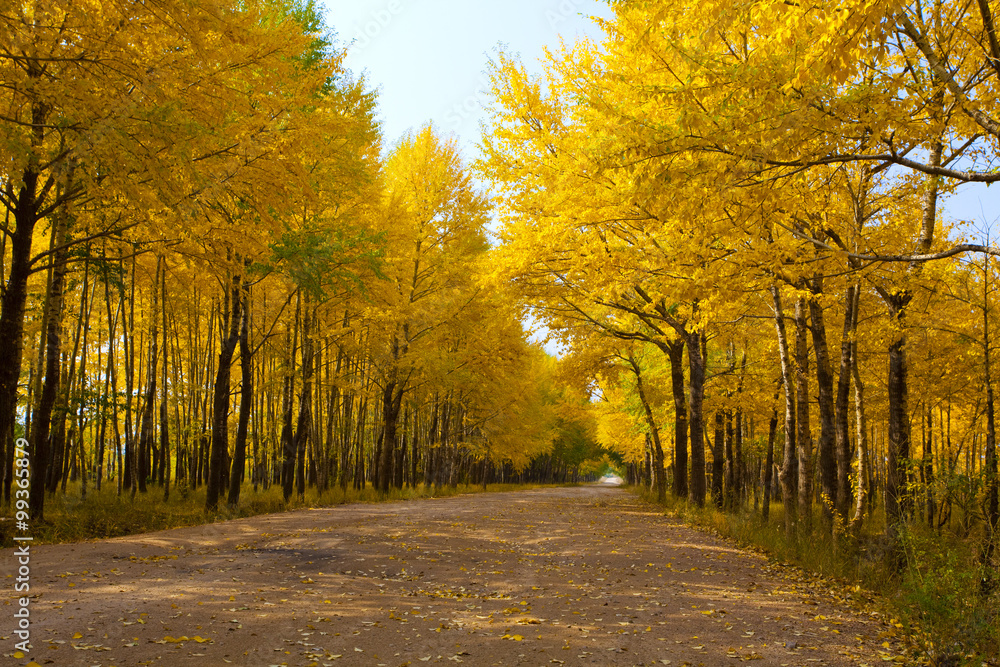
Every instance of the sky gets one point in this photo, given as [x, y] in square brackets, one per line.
[427, 58]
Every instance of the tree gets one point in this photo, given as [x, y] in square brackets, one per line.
[437, 221]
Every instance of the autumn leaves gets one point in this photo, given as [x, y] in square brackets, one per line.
[750, 183]
[216, 272]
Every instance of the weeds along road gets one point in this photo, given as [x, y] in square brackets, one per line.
[586, 575]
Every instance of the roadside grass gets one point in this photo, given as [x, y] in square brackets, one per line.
[105, 514]
[933, 599]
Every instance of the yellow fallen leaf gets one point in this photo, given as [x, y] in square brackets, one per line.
[515, 638]
[77, 635]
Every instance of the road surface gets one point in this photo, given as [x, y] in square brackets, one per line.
[566, 576]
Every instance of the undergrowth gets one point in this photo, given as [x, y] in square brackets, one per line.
[933, 597]
[106, 514]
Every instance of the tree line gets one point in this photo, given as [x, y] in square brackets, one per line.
[731, 214]
[216, 274]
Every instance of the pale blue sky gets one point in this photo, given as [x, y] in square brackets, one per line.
[427, 58]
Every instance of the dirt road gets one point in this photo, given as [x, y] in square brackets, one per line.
[571, 576]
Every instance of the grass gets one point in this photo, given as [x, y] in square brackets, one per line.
[105, 514]
[934, 597]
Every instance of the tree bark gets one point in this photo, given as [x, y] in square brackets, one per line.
[788, 475]
[303, 428]
[842, 407]
[898, 455]
[246, 403]
[38, 455]
[803, 437]
[718, 458]
[696, 486]
[164, 472]
[675, 352]
[861, 499]
[28, 204]
[288, 448]
[729, 492]
[220, 398]
[988, 580]
[392, 399]
[146, 428]
[826, 445]
[896, 484]
[772, 430]
[59, 458]
[928, 468]
[659, 474]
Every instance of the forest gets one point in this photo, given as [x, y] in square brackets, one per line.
[218, 274]
[733, 215]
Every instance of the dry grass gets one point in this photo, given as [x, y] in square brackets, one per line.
[935, 595]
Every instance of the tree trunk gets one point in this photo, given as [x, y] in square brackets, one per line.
[392, 398]
[110, 389]
[164, 467]
[38, 454]
[718, 458]
[58, 456]
[659, 477]
[696, 492]
[729, 492]
[826, 446]
[220, 398]
[899, 438]
[81, 385]
[861, 499]
[772, 430]
[896, 484]
[675, 351]
[303, 428]
[288, 406]
[346, 441]
[15, 296]
[131, 465]
[788, 475]
[390, 415]
[246, 403]
[146, 428]
[842, 407]
[987, 581]
[739, 465]
[928, 468]
[804, 437]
